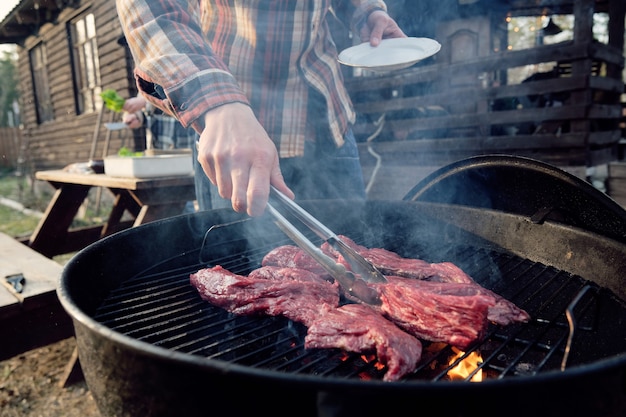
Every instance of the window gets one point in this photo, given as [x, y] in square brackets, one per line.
[41, 87]
[86, 67]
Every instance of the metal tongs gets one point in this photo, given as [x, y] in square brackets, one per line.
[354, 281]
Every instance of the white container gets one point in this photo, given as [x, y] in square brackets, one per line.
[148, 166]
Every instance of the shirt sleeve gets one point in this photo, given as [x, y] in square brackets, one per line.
[363, 10]
[176, 68]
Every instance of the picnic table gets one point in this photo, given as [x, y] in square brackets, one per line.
[145, 199]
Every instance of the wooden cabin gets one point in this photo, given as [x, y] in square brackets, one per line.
[462, 102]
[465, 101]
[69, 51]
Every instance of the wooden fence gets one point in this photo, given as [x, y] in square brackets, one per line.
[420, 121]
[10, 139]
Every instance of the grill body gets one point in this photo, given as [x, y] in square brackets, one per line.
[143, 358]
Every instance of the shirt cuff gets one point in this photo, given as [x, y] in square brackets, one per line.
[362, 12]
[190, 100]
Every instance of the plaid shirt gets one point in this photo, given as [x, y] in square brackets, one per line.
[167, 133]
[195, 55]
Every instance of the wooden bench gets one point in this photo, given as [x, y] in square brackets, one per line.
[33, 317]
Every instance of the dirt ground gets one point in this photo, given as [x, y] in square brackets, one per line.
[30, 385]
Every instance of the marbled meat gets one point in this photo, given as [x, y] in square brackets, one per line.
[302, 296]
[458, 318]
[502, 312]
[298, 299]
[437, 302]
[359, 328]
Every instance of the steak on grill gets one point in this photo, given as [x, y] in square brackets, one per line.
[359, 328]
[457, 316]
[462, 309]
[298, 297]
[437, 302]
[502, 312]
[302, 296]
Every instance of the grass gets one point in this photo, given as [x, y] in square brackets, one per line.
[21, 223]
[17, 188]
[15, 223]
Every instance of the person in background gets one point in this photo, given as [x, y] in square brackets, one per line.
[164, 130]
[260, 82]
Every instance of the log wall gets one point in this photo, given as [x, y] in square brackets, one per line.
[70, 137]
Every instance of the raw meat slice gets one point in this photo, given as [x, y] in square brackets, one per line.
[304, 297]
[503, 312]
[289, 256]
[297, 300]
[358, 328]
[458, 318]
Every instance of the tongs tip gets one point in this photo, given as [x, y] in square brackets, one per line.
[358, 264]
[354, 284]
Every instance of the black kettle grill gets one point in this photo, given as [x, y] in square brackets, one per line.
[551, 243]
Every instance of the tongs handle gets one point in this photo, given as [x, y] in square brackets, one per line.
[304, 216]
[357, 263]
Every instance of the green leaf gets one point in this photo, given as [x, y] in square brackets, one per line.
[124, 151]
[112, 100]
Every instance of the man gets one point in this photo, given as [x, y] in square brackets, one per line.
[259, 80]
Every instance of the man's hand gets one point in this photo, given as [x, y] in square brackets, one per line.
[380, 26]
[239, 157]
[133, 120]
[134, 104]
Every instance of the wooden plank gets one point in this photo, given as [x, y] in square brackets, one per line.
[393, 175]
[36, 318]
[508, 117]
[507, 144]
[380, 104]
[102, 180]
[40, 272]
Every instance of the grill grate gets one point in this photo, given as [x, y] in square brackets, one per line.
[159, 307]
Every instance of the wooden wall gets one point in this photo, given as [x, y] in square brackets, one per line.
[68, 138]
[10, 139]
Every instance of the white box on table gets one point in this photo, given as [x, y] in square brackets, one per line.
[166, 165]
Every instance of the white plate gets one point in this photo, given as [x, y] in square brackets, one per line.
[390, 54]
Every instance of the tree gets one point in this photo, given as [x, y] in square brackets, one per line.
[9, 92]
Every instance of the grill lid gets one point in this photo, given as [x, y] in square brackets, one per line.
[526, 187]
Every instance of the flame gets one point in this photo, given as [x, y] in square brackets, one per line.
[368, 358]
[466, 366]
[364, 376]
[371, 358]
